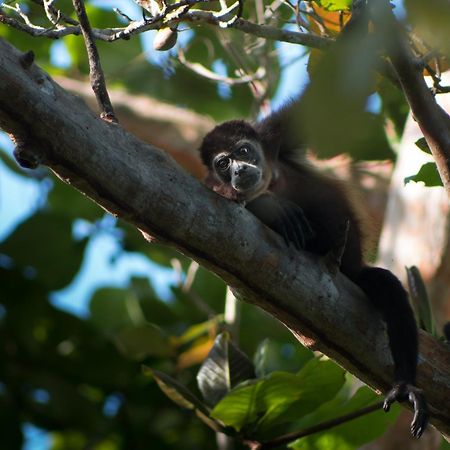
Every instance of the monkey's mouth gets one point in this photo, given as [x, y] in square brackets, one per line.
[246, 182]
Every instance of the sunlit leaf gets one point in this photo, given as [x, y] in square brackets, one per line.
[288, 397]
[428, 174]
[240, 406]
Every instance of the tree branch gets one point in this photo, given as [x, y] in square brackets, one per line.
[145, 187]
[95, 68]
[194, 16]
[433, 121]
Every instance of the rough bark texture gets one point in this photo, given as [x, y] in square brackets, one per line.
[145, 187]
[176, 130]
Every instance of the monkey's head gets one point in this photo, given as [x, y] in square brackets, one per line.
[237, 166]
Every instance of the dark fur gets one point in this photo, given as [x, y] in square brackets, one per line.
[312, 211]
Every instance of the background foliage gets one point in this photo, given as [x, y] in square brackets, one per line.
[86, 379]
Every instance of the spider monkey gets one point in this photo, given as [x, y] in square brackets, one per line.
[257, 164]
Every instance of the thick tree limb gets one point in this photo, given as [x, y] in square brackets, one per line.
[178, 130]
[145, 187]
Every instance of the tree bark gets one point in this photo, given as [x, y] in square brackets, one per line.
[176, 130]
[144, 186]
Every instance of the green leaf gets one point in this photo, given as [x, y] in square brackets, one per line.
[240, 407]
[420, 300]
[142, 341]
[199, 329]
[335, 5]
[427, 174]
[178, 393]
[112, 309]
[185, 398]
[281, 397]
[287, 397]
[351, 434]
[423, 145]
[223, 369]
[332, 115]
[44, 242]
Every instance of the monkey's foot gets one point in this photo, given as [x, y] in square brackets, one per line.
[402, 392]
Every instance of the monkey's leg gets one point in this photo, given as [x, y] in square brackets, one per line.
[388, 295]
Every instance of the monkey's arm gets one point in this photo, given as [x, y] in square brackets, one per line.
[284, 217]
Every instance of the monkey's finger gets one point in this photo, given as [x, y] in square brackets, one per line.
[307, 231]
[288, 227]
[390, 398]
[302, 225]
[295, 228]
[420, 419]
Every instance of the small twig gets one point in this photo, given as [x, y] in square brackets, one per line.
[95, 69]
[290, 437]
[55, 12]
[122, 14]
[54, 16]
[186, 286]
[204, 72]
[309, 9]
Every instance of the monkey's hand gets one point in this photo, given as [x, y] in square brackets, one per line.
[401, 392]
[284, 217]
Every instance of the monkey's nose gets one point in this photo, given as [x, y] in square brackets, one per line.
[240, 170]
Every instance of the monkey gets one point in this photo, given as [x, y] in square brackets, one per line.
[257, 164]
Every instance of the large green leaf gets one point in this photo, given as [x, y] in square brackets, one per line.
[223, 369]
[240, 407]
[332, 115]
[350, 435]
[287, 397]
[44, 243]
[281, 397]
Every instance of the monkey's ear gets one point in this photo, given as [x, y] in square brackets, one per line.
[222, 189]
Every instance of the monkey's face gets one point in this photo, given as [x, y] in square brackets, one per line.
[243, 169]
[237, 167]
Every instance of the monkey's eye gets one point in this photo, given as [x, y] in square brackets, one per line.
[243, 152]
[223, 164]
